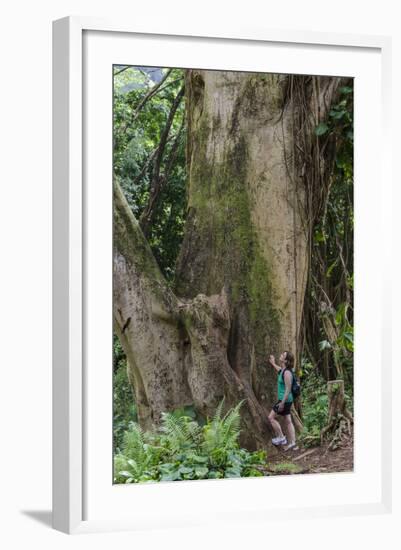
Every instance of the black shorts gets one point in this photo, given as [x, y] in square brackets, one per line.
[285, 411]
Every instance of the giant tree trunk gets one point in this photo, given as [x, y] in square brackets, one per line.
[242, 269]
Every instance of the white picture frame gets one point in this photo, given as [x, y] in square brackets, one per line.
[71, 254]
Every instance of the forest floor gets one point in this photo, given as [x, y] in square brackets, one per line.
[312, 460]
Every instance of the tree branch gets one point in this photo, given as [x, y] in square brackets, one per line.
[122, 70]
[153, 91]
[158, 180]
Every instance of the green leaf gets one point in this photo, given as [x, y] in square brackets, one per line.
[253, 473]
[350, 281]
[324, 344]
[185, 470]
[199, 459]
[190, 411]
[321, 129]
[201, 471]
[319, 237]
[337, 114]
[341, 314]
[331, 267]
[166, 467]
[232, 472]
[125, 474]
[322, 400]
[349, 336]
[171, 476]
[350, 134]
[214, 474]
[167, 477]
[346, 90]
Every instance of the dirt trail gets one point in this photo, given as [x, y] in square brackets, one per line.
[312, 460]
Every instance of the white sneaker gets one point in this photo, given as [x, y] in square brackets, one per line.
[279, 440]
[292, 445]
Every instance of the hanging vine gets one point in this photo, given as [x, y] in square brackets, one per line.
[320, 166]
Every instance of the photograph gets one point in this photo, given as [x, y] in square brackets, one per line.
[233, 274]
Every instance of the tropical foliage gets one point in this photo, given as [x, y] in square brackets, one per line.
[149, 155]
[328, 306]
[315, 405]
[124, 409]
[184, 449]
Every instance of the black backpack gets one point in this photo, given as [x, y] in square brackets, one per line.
[296, 386]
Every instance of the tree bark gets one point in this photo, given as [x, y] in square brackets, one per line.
[242, 269]
[244, 227]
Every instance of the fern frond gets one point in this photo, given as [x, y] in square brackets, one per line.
[176, 431]
[230, 429]
[194, 432]
[219, 411]
[133, 444]
[231, 426]
[223, 433]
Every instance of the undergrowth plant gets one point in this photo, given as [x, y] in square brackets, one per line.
[315, 404]
[124, 408]
[184, 449]
[285, 468]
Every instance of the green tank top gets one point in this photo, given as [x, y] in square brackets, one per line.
[281, 388]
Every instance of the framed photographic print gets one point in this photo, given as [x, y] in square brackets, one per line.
[220, 328]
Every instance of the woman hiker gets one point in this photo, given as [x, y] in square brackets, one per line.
[285, 399]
